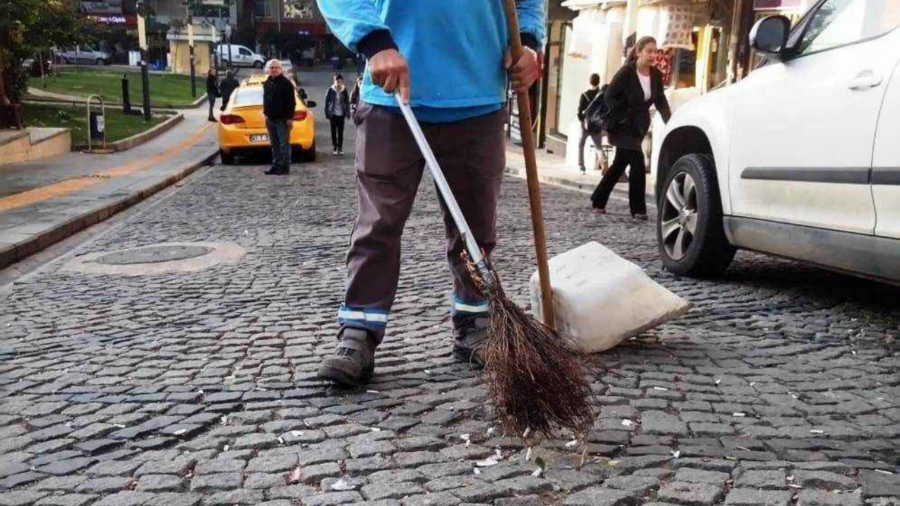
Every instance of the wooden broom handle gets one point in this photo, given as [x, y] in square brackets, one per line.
[534, 187]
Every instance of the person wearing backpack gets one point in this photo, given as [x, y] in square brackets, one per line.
[586, 100]
[635, 87]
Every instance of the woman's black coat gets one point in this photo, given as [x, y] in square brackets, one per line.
[625, 99]
[212, 85]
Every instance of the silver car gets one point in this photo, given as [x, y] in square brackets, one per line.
[84, 55]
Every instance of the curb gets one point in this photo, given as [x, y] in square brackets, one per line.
[19, 251]
[567, 183]
[141, 138]
[81, 100]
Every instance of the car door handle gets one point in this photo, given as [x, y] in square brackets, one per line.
[865, 80]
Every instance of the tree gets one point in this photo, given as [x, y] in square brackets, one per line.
[27, 26]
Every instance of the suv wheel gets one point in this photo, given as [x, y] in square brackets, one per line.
[689, 230]
[257, 64]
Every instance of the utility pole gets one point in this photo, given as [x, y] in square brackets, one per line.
[190, 21]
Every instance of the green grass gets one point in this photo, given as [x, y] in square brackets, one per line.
[118, 125]
[166, 90]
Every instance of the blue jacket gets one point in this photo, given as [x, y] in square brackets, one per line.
[454, 48]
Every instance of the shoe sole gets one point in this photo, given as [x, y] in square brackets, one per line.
[343, 378]
[466, 356]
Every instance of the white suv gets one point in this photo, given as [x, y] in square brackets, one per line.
[801, 159]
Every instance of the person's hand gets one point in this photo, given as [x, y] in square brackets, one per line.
[390, 71]
[524, 72]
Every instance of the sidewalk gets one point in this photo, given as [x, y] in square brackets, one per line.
[552, 169]
[45, 201]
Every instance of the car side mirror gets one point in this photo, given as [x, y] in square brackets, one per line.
[769, 36]
[310, 103]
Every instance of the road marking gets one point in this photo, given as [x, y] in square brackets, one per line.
[69, 186]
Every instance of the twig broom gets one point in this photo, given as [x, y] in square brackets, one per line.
[537, 382]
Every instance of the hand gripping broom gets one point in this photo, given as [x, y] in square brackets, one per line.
[537, 382]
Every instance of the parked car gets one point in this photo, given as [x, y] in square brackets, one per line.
[239, 56]
[242, 126]
[83, 55]
[800, 159]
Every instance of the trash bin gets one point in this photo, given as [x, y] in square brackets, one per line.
[97, 126]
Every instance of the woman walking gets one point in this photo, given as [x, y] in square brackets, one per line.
[212, 90]
[337, 107]
[636, 87]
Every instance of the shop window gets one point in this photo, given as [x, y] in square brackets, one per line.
[565, 34]
[261, 9]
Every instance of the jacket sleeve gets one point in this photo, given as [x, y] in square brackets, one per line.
[290, 98]
[662, 103]
[582, 106]
[532, 23]
[616, 93]
[357, 24]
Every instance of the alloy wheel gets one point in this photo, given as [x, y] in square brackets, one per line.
[680, 216]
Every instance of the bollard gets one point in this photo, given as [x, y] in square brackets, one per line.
[126, 96]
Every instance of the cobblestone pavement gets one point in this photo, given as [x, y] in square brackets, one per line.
[780, 387]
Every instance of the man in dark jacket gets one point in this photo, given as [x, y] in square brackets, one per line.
[229, 84]
[279, 102]
[586, 99]
[337, 107]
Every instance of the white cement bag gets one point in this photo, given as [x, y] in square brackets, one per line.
[601, 299]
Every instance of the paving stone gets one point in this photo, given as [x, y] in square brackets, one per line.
[368, 449]
[321, 456]
[480, 492]
[638, 484]
[107, 485]
[824, 480]
[433, 471]
[875, 484]
[314, 474]
[763, 479]
[396, 490]
[20, 497]
[219, 466]
[332, 498]
[397, 475]
[64, 467]
[216, 482]
[20, 479]
[416, 459]
[752, 497]
[126, 498]
[291, 492]
[694, 494]
[824, 498]
[233, 497]
[114, 468]
[160, 483]
[367, 465]
[67, 500]
[596, 496]
[689, 475]
[529, 500]
[568, 480]
[256, 442]
[662, 423]
[272, 464]
[417, 443]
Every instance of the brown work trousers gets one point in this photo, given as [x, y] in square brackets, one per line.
[389, 165]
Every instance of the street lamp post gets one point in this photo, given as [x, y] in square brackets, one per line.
[145, 72]
[190, 22]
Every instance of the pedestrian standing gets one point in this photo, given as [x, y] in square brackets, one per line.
[447, 60]
[635, 87]
[229, 84]
[337, 106]
[587, 98]
[279, 103]
[212, 90]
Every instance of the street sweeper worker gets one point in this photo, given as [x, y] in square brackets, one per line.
[450, 61]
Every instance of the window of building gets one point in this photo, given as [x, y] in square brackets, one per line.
[564, 34]
[261, 9]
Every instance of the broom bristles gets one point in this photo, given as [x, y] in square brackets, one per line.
[537, 382]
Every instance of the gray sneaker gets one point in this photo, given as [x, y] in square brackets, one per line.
[353, 363]
[469, 335]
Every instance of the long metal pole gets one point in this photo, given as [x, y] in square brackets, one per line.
[190, 19]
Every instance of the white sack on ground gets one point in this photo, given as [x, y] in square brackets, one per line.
[601, 299]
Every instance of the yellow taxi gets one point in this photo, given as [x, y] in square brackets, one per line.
[242, 125]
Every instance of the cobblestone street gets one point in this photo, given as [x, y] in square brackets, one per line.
[780, 387]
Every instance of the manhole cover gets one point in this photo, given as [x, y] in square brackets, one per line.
[153, 255]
